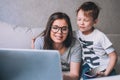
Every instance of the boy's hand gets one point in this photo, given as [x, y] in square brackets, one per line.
[101, 74]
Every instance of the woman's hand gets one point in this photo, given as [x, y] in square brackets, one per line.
[32, 43]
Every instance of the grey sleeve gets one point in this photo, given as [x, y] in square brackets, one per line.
[109, 50]
[76, 50]
[39, 43]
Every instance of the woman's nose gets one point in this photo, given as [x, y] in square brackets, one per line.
[60, 30]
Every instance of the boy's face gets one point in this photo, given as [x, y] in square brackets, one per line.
[85, 22]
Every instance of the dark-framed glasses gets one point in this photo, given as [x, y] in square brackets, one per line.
[63, 29]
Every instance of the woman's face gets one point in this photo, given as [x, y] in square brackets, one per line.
[59, 31]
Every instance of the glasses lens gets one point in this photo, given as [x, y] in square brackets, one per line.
[55, 29]
[63, 29]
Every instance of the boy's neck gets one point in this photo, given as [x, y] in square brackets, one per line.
[88, 32]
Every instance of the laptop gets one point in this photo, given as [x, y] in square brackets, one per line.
[30, 64]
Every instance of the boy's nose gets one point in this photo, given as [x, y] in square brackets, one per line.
[81, 22]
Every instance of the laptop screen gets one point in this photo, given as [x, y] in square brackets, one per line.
[30, 64]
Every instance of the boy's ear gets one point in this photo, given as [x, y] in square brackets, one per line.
[95, 22]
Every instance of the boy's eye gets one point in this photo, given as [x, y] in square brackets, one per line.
[79, 19]
[86, 20]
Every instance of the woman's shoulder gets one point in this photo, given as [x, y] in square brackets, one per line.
[39, 39]
[75, 42]
[39, 42]
[76, 33]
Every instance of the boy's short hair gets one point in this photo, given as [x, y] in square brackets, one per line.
[90, 9]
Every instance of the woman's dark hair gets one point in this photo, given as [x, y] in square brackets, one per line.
[48, 42]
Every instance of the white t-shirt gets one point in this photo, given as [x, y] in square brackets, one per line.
[96, 47]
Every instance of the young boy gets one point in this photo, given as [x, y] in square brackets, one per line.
[98, 52]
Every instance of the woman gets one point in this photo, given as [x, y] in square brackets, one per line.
[58, 36]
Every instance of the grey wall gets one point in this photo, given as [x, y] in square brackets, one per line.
[35, 13]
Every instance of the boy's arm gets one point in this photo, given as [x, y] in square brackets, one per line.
[112, 62]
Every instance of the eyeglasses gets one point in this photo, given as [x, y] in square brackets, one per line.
[63, 29]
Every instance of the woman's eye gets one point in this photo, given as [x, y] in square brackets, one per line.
[55, 27]
[65, 28]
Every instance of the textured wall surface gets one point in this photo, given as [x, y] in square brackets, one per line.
[35, 13]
